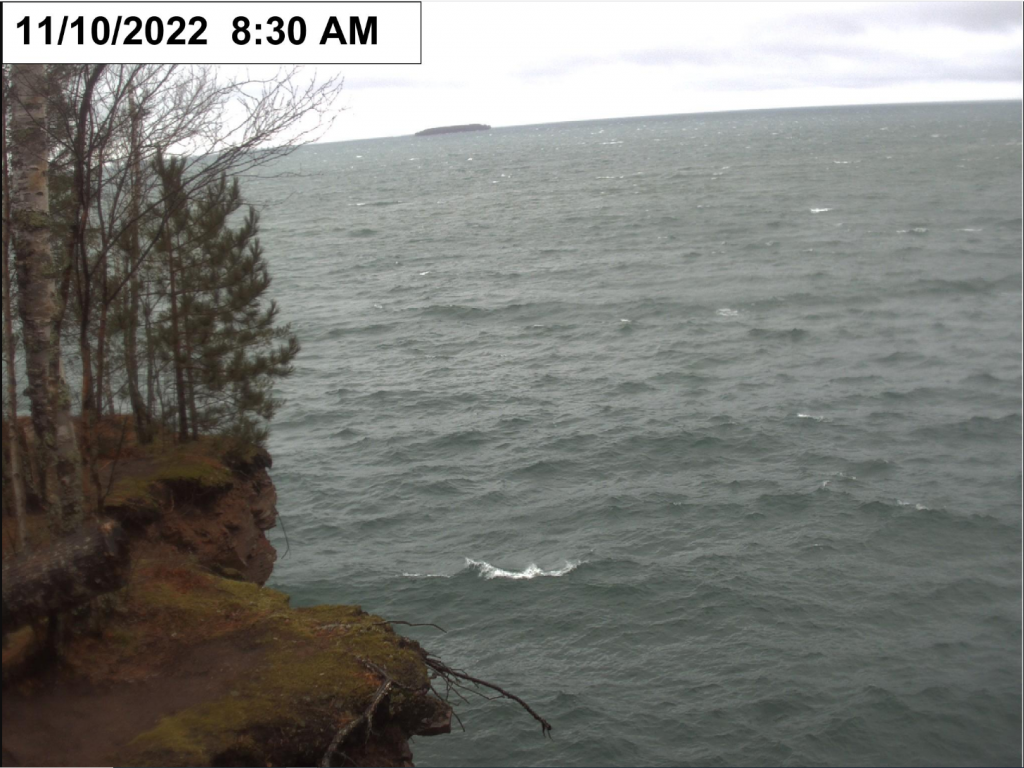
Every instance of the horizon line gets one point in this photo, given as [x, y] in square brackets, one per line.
[693, 114]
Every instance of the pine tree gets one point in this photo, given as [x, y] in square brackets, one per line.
[219, 333]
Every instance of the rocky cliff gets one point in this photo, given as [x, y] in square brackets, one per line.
[195, 663]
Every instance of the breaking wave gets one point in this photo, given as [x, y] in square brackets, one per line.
[488, 571]
[532, 571]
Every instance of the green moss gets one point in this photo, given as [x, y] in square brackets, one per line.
[191, 467]
[205, 598]
[132, 491]
[309, 679]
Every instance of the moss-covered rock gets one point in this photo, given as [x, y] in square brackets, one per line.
[305, 673]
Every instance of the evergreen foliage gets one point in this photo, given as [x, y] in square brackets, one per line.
[217, 329]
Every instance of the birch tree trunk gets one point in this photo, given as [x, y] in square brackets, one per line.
[17, 476]
[49, 398]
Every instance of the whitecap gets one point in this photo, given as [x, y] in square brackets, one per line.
[625, 320]
[810, 416]
[820, 210]
[971, 229]
[532, 571]
[726, 312]
[424, 273]
[918, 507]
[427, 575]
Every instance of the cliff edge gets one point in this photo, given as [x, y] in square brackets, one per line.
[194, 663]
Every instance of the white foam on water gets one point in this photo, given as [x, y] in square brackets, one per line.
[918, 507]
[810, 416]
[427, 575]
[531, 571]
[726, 312]
[820, 210]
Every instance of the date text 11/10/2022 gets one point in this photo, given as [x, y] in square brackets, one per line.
[179, 31]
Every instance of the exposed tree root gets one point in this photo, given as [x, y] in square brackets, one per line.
[453, 678]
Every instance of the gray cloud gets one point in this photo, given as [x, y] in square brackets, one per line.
[846, 49]
[969, 17]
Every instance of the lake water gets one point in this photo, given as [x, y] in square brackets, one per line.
[701, 433]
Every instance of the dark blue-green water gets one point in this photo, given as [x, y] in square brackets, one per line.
[701, 433]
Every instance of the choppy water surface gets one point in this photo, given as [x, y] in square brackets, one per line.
[701, 433]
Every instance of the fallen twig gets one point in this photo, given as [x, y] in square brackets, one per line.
[366, 717]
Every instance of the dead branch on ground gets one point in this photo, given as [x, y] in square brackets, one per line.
[366, 717]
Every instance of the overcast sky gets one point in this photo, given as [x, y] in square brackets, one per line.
[516, 63]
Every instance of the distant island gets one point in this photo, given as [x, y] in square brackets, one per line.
[454, 129]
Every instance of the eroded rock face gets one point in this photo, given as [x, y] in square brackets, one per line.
[200, 503]
[225, 529]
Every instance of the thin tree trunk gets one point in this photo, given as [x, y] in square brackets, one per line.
[189, 377]
[102, 384]
[69, 458]
[30, 230]
[14, 444]
[151, 398]
[179, 373]
[140, 410]
[91, 401]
